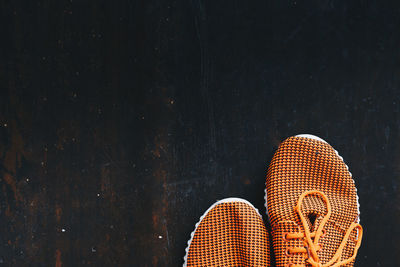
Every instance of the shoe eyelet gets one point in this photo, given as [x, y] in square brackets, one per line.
[323, 233]
[287, 252]
[284, 237]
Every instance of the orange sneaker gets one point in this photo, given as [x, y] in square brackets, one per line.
[230, 233]
[312, 204]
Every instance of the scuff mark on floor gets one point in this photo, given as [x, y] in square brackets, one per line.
[58, 258]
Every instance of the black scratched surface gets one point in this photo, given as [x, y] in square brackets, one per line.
[121, 122]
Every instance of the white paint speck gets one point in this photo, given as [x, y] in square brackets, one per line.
[160, 236]
[63, 230]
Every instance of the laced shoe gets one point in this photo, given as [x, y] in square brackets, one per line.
[230, 233]
[312, 204]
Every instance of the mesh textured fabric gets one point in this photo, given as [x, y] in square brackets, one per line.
[303, 164]
[230, 234]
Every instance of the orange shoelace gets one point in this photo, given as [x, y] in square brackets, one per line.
[311, 245]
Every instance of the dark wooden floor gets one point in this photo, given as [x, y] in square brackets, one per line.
[122, 121]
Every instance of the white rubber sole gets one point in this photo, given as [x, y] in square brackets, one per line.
[226, 200]
[310, 136]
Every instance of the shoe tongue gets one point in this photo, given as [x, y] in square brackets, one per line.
[313, 221]
[313, 209]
